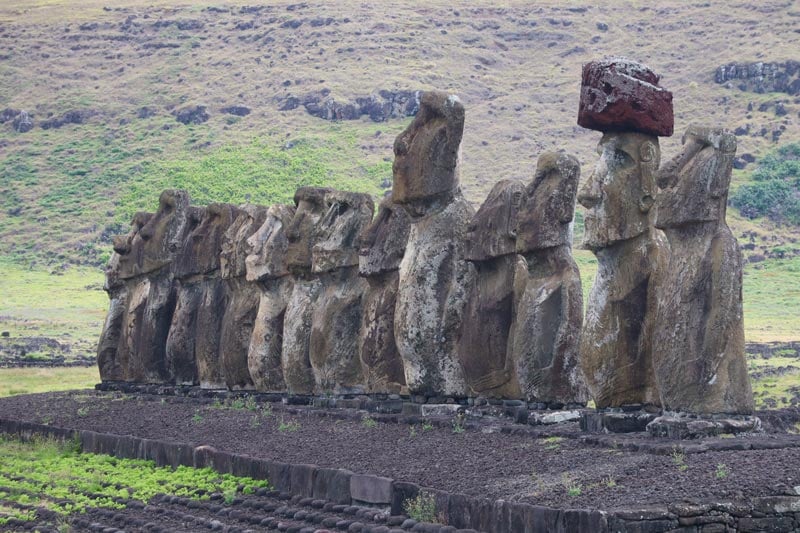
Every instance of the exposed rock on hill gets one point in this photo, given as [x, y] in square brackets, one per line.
[380, 107]
[761, 77]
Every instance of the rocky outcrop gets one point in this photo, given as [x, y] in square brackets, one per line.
[761, 77]
[382, 246]
[240, 314]
[192, 114]
[700, 364]
[380, 107]
[431, 296]
[548, 300]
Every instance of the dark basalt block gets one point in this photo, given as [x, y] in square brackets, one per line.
[621, 95]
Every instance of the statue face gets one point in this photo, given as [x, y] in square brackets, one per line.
[427, 152]
[548, 203]
[493, 230]
[234, 242]
[694, 185]
[302, 231]
[185, 263]
[268, 245]
[164, 233]
[206, 238]
[621, 190]
[347, 216]
[128, 250]
[383, 243]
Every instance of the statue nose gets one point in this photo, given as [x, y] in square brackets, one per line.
[590, 195]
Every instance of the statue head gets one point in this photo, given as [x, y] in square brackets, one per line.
[492, 232]
[126, 260]
[302, 232]
[205, 240]
[234, 250]
[268, 245]
[164, 233]
[426, 169]
[383, 243]
[694, 185]
[347, 215]
[185, 262]
[548, 203]
[621, 190]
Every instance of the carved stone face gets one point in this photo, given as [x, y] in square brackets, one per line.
[205, 240]
[234, 242]
[128, 249]
[185, 262]
[164, 233]
[302, 232]
[347, 215]
[493, 230]
[427, 152]
[383, 243]
[548, 204]
[621, 190]
[694, 185]
[268, 245]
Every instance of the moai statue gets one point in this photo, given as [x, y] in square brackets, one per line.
[303, 233]
[151, 299]
[382, 245]
[622, 99]
[336, 321]
[240, 314]
[491, 254]
[181, 361]
[700, 364]
[266, 266]
[214, 294]
[112, 359]
[548, 302]
[432, 295]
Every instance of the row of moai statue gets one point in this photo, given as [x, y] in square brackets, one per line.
[432, 298]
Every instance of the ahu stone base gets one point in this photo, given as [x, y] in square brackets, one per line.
[688, 426]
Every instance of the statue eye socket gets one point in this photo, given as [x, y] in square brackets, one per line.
[623, 159]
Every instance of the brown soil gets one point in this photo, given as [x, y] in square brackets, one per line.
[493, 459]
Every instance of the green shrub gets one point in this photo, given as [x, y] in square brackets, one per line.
[775, 191]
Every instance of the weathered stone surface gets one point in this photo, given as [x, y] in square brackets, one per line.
[180, 353]
[431, 297]
[303, 233]
[484, 332]
[152, 294]
[616, 340]
[212, 293]
[371, 489]
[427, 152]
[618, 94]
[112, 359]
[382, 245]
[336, 322]
[266, 265]
[548, 300]
[700, 365]
[240, 313]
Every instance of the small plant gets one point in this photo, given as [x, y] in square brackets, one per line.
[255, 421]
[197, 417]
[83, 411]
[292, 425]
[217, 404]
[228, 495]
[609, 482]
[368, 422]
[552, 443]
[238, 403]
[47, 420]
[458, 426]
[572, 487]
[679, 459]
[266, 410]
[422, 508]
[412, 431]
[722, 471]
[426, 425]
[250, 404]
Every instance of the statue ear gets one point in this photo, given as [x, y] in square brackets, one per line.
[721, 179]
[648, 157]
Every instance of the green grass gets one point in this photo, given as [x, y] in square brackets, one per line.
[58, 477]
[15, 381]
[772, 300]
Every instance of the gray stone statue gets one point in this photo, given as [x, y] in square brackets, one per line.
[700, 364]
[266, 266]
[336, 321]
[382, 245]
[240, 314]
[432, 295]
[303, 233]
[112, 357]
[622, 99]
[151, 299]
[491, 254]
[548, 300]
